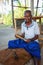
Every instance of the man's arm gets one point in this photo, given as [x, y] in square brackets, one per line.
[32, 39]
[22, 35]
[36, 37]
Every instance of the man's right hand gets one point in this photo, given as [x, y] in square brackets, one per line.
[16, 35]
[28, 40]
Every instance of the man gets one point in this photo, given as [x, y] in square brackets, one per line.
[30, 31]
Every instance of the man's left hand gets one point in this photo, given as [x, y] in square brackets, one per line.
[28, 40]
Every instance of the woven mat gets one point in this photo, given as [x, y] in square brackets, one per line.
[23, 57]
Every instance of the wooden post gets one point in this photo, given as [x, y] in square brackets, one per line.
[15, 26]
[32, 7]
[12, 12]
[40, 24]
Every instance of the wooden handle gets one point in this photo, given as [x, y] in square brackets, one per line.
[18, 36]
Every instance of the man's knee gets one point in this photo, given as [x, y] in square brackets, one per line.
[10, 43]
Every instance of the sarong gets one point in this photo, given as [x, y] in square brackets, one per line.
[32, 47]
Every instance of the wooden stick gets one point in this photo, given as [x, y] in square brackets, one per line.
[18, 36]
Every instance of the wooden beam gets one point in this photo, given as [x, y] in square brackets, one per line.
[41, 39]
[41, 32]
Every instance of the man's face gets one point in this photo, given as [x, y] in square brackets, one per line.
[27, 17]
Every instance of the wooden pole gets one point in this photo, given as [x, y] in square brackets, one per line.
[12, 12]
[37, 7]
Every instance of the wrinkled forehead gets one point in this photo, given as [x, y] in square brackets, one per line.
[27, 14]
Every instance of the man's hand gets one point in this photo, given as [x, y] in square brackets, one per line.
[16, 35]
[28, 40]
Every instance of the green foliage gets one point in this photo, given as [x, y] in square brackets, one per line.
[7, 19]
[19, 12]
[19, 3]
[0, 15]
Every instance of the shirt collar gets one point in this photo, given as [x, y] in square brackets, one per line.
[30, 24]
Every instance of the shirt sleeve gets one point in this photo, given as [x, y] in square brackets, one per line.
[22, 28]
[37, 30]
